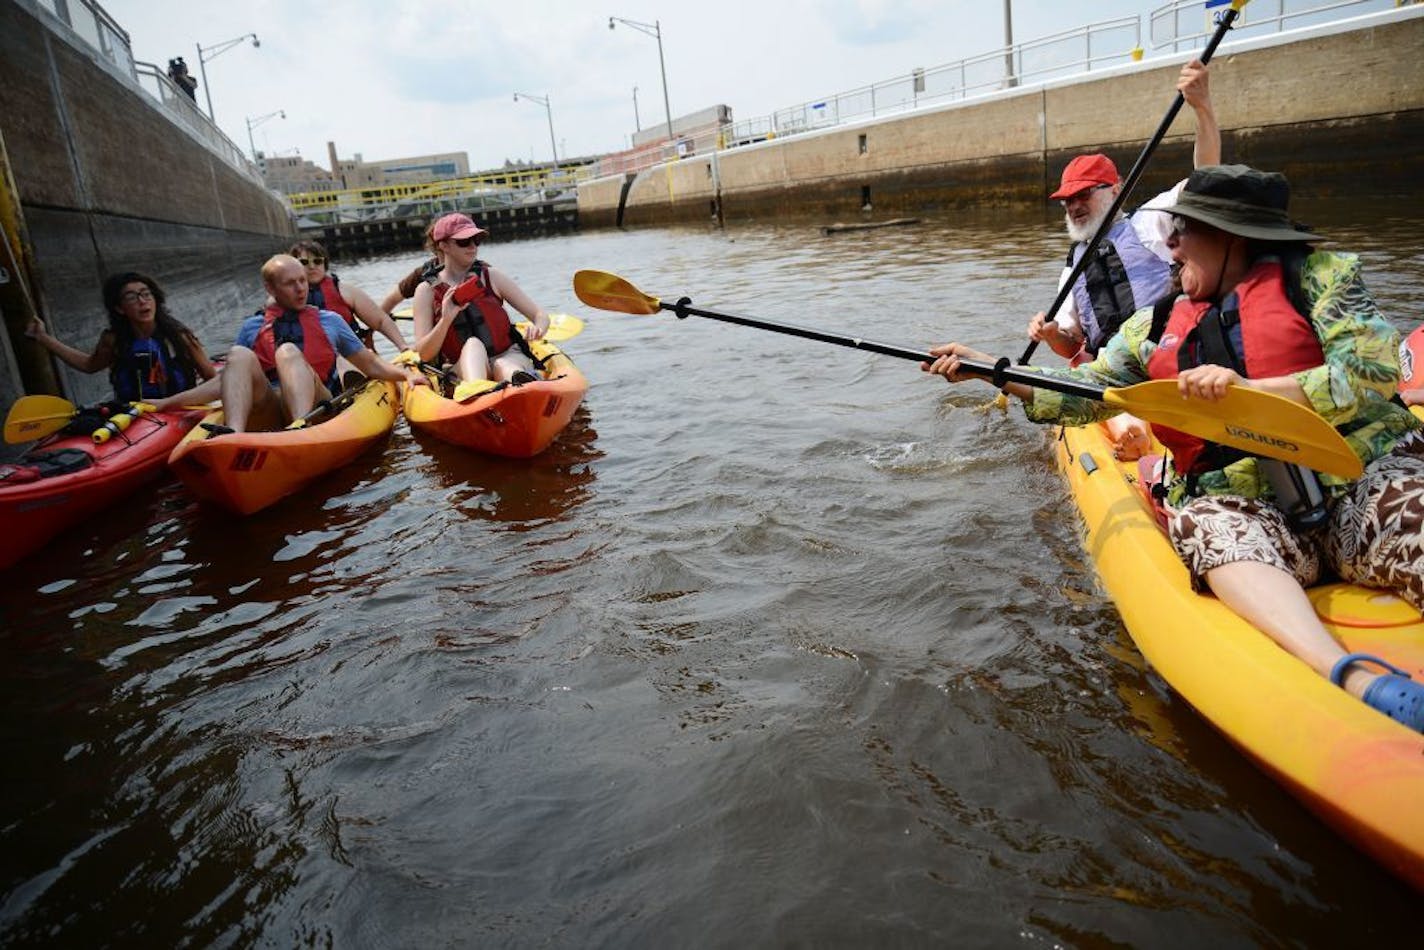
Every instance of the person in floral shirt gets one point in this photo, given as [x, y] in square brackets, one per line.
[1260, 309]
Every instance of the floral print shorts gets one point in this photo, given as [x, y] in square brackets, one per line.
[1373, 537]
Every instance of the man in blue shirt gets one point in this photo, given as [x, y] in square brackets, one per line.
[284, 360]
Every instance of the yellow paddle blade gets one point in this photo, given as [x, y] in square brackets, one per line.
[563, 326]
[405, 311]
[607, 291]
[34, 417]
[1257, 422]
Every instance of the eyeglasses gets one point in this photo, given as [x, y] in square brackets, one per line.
[466, 242]
[312, 261]
[134, 296]
[1083, 195]
[1180, 225]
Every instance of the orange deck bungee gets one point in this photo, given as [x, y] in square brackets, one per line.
[1360, 771]
[247, 471]
[513, 421]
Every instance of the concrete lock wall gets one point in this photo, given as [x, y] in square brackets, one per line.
[107, 182]
[1339, 112]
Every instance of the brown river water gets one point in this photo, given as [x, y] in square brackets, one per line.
[780, 644]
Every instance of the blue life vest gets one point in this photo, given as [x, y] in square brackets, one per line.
[1123, 277]
[146, 369]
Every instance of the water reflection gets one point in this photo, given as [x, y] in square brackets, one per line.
[523, 492]
[772, 620]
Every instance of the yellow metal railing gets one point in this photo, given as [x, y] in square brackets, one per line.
[382, 195]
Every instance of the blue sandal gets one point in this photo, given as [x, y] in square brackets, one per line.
[1394, 693]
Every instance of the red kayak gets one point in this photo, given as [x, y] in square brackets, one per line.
[64, 479]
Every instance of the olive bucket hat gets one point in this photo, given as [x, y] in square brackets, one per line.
[1240, 200]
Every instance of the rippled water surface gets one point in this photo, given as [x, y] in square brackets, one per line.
[780, 643]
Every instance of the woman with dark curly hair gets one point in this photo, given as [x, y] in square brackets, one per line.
[147, 352]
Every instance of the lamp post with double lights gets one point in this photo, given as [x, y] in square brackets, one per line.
[654, 30]
[254, 123]
[549, 110]
[206, 53]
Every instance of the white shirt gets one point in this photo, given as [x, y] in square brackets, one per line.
[1152, 227]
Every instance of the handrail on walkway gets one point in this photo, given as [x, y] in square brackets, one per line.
[1179, 24]
[92, 24]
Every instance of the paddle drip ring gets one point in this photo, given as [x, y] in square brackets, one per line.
[680, 308]
[1000, 378]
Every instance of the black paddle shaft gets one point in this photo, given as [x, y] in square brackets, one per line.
[998, 373]
[1138, 167]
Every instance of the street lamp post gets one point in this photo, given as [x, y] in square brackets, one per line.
[637, 123]
[254, 123]
[654, 30]
[206, 53]
[549, 111]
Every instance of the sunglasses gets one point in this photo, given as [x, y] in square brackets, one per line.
[134, 296]
[1083, 195]
[312, 261]
[1180, 225]
[466, 242]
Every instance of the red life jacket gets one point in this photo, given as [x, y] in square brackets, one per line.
[331, 299]
[1260, 335]
[1411, 360]
[327, 296]
[316, 347]
[484, 318]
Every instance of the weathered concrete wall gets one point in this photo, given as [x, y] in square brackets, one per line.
[1339, 113]
[108, 183]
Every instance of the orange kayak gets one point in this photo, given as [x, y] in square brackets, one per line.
[1360, 771]
[247, 471]
[36, 505]
[513, 421]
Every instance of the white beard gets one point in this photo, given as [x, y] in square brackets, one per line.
[1082, 233]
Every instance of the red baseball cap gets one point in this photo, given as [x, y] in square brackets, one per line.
[1085, 171]
[456, 226]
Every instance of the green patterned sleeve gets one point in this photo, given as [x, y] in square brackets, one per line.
[1361, 346]
[1121, 362]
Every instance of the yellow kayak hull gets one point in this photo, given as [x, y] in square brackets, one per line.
[1357, 769]
[245, 472]
[515, 421]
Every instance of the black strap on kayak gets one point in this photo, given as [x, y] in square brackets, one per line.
[525, 348]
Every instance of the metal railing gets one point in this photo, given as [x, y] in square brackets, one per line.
[1178, 25]
[1187, 23]
[473, 193]
[184, 110]
[92, 24]
[1067, 53]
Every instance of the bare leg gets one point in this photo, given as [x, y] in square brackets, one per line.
[510, 362]
[206, 391]
[1272, 601]
[474, 361]
[301, 389]
[243, 383]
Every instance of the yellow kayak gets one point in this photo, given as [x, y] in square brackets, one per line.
[1360, 771]
[247, 471]
[513, 421]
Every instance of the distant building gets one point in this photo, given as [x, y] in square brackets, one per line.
[293, 175]
[359, 173]
[695, 125]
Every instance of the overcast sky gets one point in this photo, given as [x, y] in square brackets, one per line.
[387, 78]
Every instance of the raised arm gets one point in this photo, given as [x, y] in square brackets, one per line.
[102, 357]
[1194, 85]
